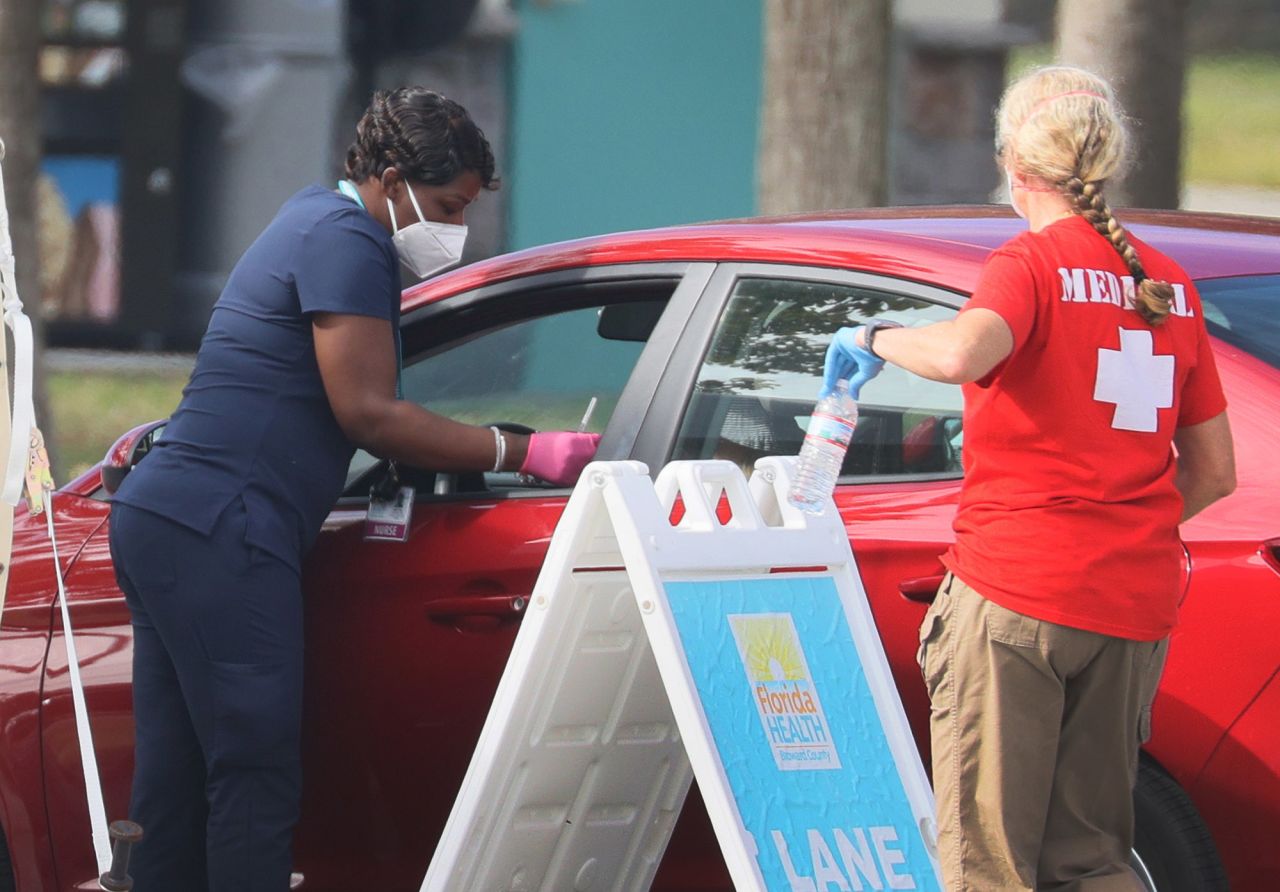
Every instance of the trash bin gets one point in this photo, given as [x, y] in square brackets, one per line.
[266, 80]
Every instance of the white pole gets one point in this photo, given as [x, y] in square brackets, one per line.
[6, 420]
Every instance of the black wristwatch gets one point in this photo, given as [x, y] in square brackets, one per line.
[872, 327]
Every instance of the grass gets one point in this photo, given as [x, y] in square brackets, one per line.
[1232, 121]
[91, 410]
[1231, 116]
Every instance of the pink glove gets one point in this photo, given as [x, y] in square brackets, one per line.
[559, 456]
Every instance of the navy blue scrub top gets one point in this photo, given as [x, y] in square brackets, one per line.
[254, 421]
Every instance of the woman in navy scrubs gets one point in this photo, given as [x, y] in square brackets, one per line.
[298, 367]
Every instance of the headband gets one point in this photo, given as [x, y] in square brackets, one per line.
[1043, 102]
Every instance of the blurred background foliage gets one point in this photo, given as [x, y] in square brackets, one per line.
[92, 409]
[1232, 120]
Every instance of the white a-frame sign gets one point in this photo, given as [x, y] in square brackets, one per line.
[734, 644]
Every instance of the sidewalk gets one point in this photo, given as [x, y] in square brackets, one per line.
[117, 362]
[1231, 199]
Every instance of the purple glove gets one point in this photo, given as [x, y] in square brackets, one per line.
[559, 456]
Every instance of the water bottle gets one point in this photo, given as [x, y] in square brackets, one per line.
[830, 429]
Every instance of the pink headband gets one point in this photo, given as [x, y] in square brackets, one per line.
[1043, 102]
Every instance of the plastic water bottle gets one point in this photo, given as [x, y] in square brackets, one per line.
[830, 429]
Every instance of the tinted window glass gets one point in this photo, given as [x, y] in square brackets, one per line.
[760, 378]
[1245, 312]
[541, 373]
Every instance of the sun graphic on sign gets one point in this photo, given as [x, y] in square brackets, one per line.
[769, 647]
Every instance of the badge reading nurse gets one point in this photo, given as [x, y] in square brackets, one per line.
[782, 688]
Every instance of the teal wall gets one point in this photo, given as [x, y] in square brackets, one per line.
[628, 114]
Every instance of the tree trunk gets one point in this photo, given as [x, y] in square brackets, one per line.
[20, 39]
[823, 123]
[1139, 46]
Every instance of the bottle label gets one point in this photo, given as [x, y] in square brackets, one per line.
[831, 429]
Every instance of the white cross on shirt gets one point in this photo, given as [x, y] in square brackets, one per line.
[1136, 380]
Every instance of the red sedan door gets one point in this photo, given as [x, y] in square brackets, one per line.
[406, 641]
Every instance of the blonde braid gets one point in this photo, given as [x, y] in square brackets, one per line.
[1154, 298]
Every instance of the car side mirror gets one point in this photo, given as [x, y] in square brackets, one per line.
[632, 321]
[127, 452]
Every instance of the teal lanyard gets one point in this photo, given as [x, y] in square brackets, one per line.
[347, 188]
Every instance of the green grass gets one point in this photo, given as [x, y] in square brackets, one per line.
[1231, 116]
[91, 410]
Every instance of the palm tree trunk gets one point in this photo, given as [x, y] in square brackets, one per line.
[1140, 47]
[824, 117]
[20, 39]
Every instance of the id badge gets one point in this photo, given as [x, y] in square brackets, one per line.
[388, 519]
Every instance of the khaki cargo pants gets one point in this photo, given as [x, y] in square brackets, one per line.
[1036, 729]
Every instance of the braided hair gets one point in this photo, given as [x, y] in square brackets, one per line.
[1064, 126]
[421, 134]
[1154, 298]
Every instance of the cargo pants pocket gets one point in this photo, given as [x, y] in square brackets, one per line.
[931, 627]
[1010, 627]
[1150, 656]
[257, 713]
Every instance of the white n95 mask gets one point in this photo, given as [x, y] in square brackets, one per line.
[425, 247]
[1013, 202]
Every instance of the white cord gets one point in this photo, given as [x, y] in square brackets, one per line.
[88, 759]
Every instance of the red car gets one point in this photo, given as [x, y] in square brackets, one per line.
[698, 341]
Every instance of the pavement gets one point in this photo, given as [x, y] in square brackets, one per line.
[1231, 199]
[58, 359]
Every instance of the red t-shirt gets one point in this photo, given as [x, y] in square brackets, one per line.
[1068, 512]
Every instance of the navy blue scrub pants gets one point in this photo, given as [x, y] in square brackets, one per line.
[217, 694]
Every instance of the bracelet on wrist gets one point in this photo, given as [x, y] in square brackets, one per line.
[499, 449]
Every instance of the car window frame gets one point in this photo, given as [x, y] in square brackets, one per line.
[661, 425]
[444, 322]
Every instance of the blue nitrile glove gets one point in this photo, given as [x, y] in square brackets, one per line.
[845, 359]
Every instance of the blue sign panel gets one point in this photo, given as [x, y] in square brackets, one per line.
[797, 731]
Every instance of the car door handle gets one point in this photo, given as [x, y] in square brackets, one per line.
[447, 609]
[921, 588]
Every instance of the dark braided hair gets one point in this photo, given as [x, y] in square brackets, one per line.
[423, 135]
[1154, 298]
[1064, 126]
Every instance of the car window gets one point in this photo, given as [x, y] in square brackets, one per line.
[760, 378]
[1245, 312]
[540, 373]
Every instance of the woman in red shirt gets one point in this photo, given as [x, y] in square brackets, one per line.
[1085, 361]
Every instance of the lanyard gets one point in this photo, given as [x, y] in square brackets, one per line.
[347, 188]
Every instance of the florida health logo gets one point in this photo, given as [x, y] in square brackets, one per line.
[783, 691]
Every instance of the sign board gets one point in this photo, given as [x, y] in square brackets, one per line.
[735, 645]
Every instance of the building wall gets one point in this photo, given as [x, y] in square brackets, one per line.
[627, 115]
